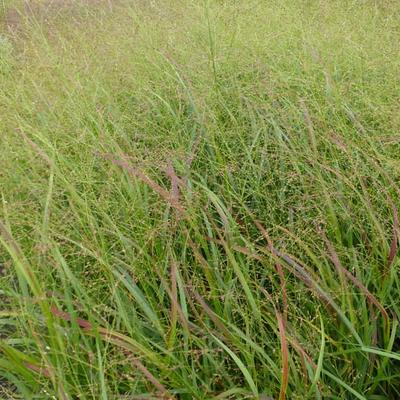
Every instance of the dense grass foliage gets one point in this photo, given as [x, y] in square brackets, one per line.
[199, 200]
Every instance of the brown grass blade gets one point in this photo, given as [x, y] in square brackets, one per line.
[67, 317]
[309, 124]
[37, 149]
[247, 252]
[137, 173]
[240, 249]
[198, 256]
[339, 267]
[9, 240]
[119, 340]
[395, 238]
[211, 314]
[191, 157]
[17, 255]
[172, 292]
[152, 379]
[176, 182]
[278, 267]
[355, 121]
[296, 268]
[282, 279]
[299, 348]
[37, 369]
[284, 355]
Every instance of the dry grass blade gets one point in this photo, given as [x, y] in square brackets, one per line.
[355, 121]
[197, 254]
[211, 314]
[284, 347]
[172, 292]
[193, 153]
[20, 262]
[36, 148]
[281, 274]
[9, 240]
[371, 298]
[279, 270]
[240, 249]
[395, 237]
[176, 182]
[137, 173]
[284, 355]
[37, 369]
[67, 317]
[303, 354]
[152, 379]
[247, 252]
[309, 124]
[300, 272]
[298, 269]
[119, 340]
[111, 336]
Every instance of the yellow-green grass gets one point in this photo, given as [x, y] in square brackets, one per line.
[199, 200]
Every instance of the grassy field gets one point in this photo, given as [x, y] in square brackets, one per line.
[200, 199]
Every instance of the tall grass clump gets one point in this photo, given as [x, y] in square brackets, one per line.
[200, 200]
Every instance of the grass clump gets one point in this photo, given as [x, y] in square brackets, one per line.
[200, 200]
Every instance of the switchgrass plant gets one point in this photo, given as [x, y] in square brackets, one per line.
[199, 200]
